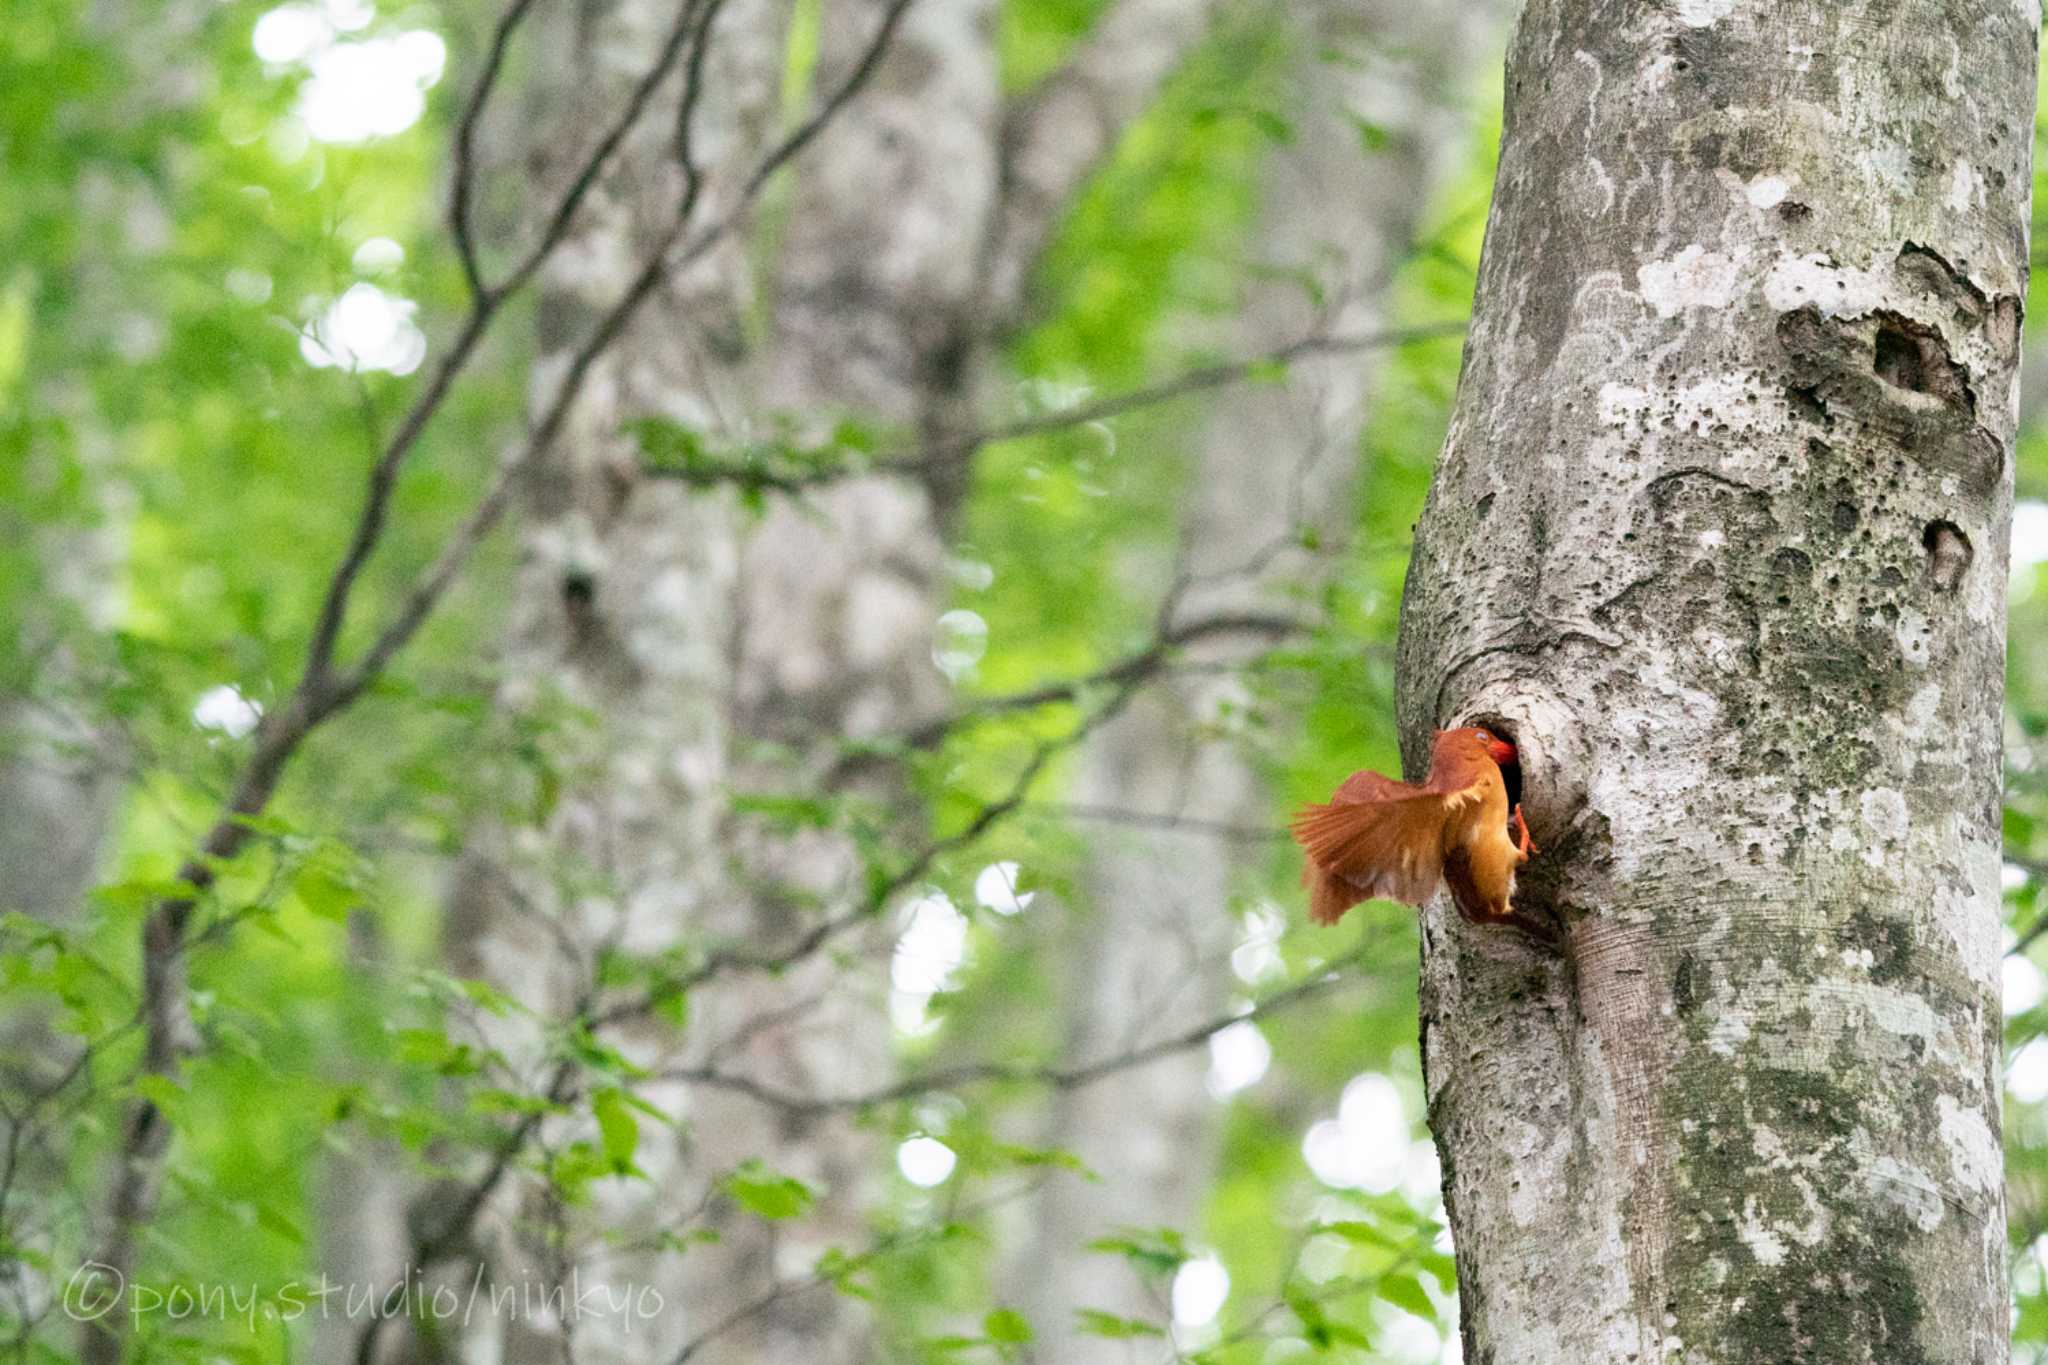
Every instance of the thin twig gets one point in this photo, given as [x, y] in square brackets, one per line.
[730, 960]
[881, 1246]
[998, 1073]
[321, 691]
[1135, 667]
[924, 460]
[1164, 820]
[465, 144]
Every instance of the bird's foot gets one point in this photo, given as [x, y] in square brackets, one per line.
[1526, 845]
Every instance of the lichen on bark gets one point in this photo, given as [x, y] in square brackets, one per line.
[1719, 534]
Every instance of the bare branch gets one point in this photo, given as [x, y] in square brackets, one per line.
[789, 1289]
[428, 589]
[320, 692]
[1164, 820]
[485, 303]
[729, 960]
[1135, 668]
[998, 1073]
[432, 1244]
[923, 461]
[465, 143]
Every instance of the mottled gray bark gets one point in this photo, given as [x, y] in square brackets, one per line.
[1146, 952]
[624, 616]
[696, 637]
[834, 604]
[1719, 535]
[57, 789]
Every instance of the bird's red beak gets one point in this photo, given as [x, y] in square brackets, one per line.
[1500, 751]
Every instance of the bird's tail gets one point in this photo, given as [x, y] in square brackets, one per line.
[1328, 896]
[1336, 834]
[1361, 849]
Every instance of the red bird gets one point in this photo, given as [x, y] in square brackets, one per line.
[1379, 837]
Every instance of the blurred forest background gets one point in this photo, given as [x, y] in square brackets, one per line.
[819, 862]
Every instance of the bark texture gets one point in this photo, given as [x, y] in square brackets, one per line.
[618, 659]
[1719, 534]
[716, 652]
[1146, 952]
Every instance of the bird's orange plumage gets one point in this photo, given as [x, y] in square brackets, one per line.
[1397, 840]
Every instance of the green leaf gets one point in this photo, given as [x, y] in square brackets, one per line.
[430, 1048]
[1371, 136]
[587, 1048]
[1366, 1234]
[767, 1193]
[1007, 1325]
[1097, 1323]
[851, 435]
[674, 1006]
[161, 1091]
[1034, 1157]
[279, 1225]
[1156, 1251]
[1273, 126]
[326, 894]
[618, 1131]
[492, 1100]
[139, 893]
[787, 812]
[668, 444]
[1405, 1291]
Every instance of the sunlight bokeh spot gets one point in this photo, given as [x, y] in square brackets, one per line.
[374, 88]
[225, 709]
[1366, 1146]
[1257, 954]
[1200, 1287]
[366, 329]
[958, 642]
[2023, 985]
[1408, 1340]
[291, 33]
[925, 1161]
[1238, 1057]
[2027, 1076]
[350, 15]
[2029, 534]
[995, 888]
[377, 255]
[930, 950]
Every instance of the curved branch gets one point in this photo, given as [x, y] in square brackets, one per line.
[923, 461]
[997, 1073]
[321, 692]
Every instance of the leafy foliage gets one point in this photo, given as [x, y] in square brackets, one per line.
[176, 482]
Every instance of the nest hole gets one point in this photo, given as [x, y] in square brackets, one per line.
[1510, 773]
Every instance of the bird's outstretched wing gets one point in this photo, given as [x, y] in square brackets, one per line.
[1375, 837]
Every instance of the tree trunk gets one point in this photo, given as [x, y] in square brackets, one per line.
[714, 653]
[1719, 537]
[618, 663]
[1146, 953]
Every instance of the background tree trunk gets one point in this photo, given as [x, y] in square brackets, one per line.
[1146, 950]
[1719, 534]
[618, 656]
[714, 652]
